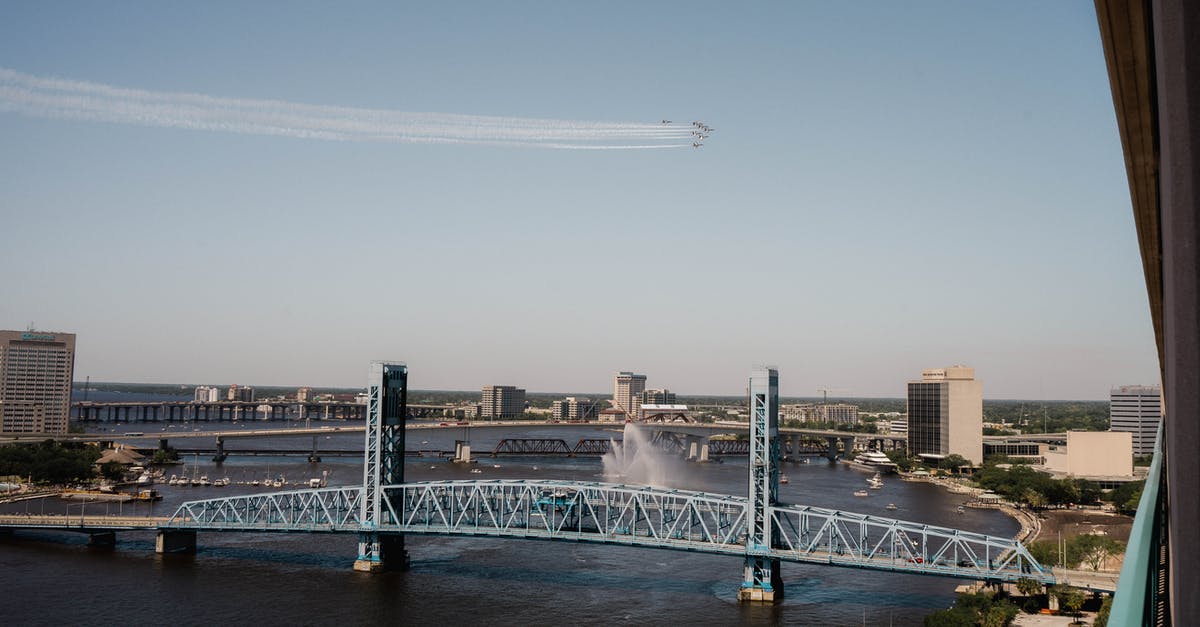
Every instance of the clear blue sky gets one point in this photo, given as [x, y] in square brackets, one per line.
[890, 187]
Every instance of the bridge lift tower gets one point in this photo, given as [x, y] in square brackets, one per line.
[762, 581]
[383, 465]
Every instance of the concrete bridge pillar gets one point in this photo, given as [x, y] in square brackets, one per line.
[831, 450]
[768, 591]
[378, 552]
[221, 455]
[175, 541]
[313, 457]
[847, 446]
[462, 452]
[696, 448]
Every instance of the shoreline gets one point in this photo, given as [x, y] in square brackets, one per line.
[1030, 523]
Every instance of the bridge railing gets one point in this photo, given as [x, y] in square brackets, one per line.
[322, 509]
[813, 534]
[1141, 597]
[579, 510]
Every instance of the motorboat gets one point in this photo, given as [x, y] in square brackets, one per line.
[861, 493]
[784, 479]
[891, 507]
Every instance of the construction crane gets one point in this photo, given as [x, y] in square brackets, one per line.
[825, 393]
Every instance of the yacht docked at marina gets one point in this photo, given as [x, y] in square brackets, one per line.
[873, 461]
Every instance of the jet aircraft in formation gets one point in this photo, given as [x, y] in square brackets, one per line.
[701, 133]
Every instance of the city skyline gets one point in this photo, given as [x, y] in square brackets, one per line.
[887, 189]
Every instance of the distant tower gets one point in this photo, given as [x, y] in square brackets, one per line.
[627, 393]
[1138, 410]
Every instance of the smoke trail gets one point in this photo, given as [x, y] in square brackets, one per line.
[85, 101]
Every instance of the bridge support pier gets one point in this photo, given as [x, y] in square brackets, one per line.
[462, 452]
[313, 457]
[221, 455]
[103, 539]
[175, 541]
[697, 448]
[378, 552]
[848, 447]
[763, 582]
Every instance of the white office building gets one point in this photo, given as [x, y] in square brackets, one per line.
[1137, 409]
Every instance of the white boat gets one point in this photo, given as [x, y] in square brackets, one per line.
[890, 506]
[204, 481]
[174, 480]
[784, 479]
[861, 493]
[873, 460]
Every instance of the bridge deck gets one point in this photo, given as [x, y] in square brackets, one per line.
[606, 514]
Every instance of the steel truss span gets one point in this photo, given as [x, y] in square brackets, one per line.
[629, 515]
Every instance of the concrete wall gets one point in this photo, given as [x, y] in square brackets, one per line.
[966, 418]
[1094, 454]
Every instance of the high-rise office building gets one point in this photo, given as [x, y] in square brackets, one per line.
[304, 394]
[502, 401]
[945, 414]
[1138, 410]
[627, 392]
[36, 370]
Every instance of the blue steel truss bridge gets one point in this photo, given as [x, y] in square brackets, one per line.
[626, 515]
[757, 528]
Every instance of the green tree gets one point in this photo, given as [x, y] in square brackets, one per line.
[1000, 614]
[901, 460]
[954, 461]
[1044, 551]
[113, 471]
[1102, 614]
[1092, 549]
[165, 456]
[1070, 599]
[49, 462]
[1126, 496]
[1033, 498]
[1029, 587]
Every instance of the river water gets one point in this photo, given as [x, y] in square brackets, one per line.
[296, 579]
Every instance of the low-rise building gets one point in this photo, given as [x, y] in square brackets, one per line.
[572, 408]
[1095, 455]
[840, 413]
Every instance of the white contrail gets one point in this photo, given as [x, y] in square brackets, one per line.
[78, 100]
